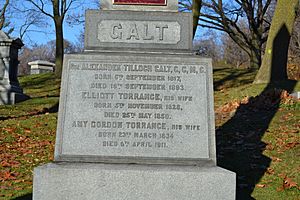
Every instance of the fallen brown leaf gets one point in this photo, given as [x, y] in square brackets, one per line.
[289, 183]
[27, 130]
[270, 171]
[275, 159]
[261, 185]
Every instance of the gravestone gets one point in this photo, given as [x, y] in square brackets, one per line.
[296, 95]
[136, 118]
[10, 90]
[41, 66]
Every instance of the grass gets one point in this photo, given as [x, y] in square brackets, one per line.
[44, 92]
[27, 134]
[26, 142]
[231, 84]
[42, 85]
[282, 139]
[257, 135]
[257, 129]
[231, 77]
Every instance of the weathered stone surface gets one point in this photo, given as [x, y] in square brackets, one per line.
[296, 95]
[143, 108]
[138, 30]
[10, 90]
[115, 182]
[41, 66]
[9, 98]
[135, 125]
[170, 5]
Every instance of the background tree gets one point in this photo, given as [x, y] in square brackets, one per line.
[32, 19]
[4, 23]
[2, 14]
[233, 54]
[80, 42]
[225, 16]
[43, 52]
[56, 10]
[195, 7]
[197, 4]
[295, 39]
[294, 51]
[208, 46]
[275, 59]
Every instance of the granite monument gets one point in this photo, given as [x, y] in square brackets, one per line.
[41, 66]
[136, 118]
[10, 89]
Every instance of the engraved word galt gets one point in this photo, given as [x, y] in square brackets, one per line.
[162, 32]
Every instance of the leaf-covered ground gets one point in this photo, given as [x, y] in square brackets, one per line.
[27, 135]
[258, 138]
[257, 128]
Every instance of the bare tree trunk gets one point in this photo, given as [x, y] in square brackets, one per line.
[58, 16]
[2, 14]
[59, 11]
[224, 16]
[255, 58]
[274, 64]
[196, 14]
[59, 51]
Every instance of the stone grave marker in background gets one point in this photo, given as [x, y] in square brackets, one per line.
[136, 117]
[41, 66]
[10, 89]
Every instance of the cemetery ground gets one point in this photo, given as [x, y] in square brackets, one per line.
[257, 130]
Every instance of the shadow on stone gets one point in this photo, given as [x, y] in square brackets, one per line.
[25, 197]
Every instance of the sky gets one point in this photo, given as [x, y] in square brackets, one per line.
[42, 35]
[71, 33]
[45, 33]
[32, 37]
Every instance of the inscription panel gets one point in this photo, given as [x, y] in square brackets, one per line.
[149, 109]
[160, 32]
[131, 29]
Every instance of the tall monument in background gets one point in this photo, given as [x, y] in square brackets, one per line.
[10, 89]
[136, 115]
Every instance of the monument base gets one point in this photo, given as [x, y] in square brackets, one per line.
[89, 181]
[9, 98]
